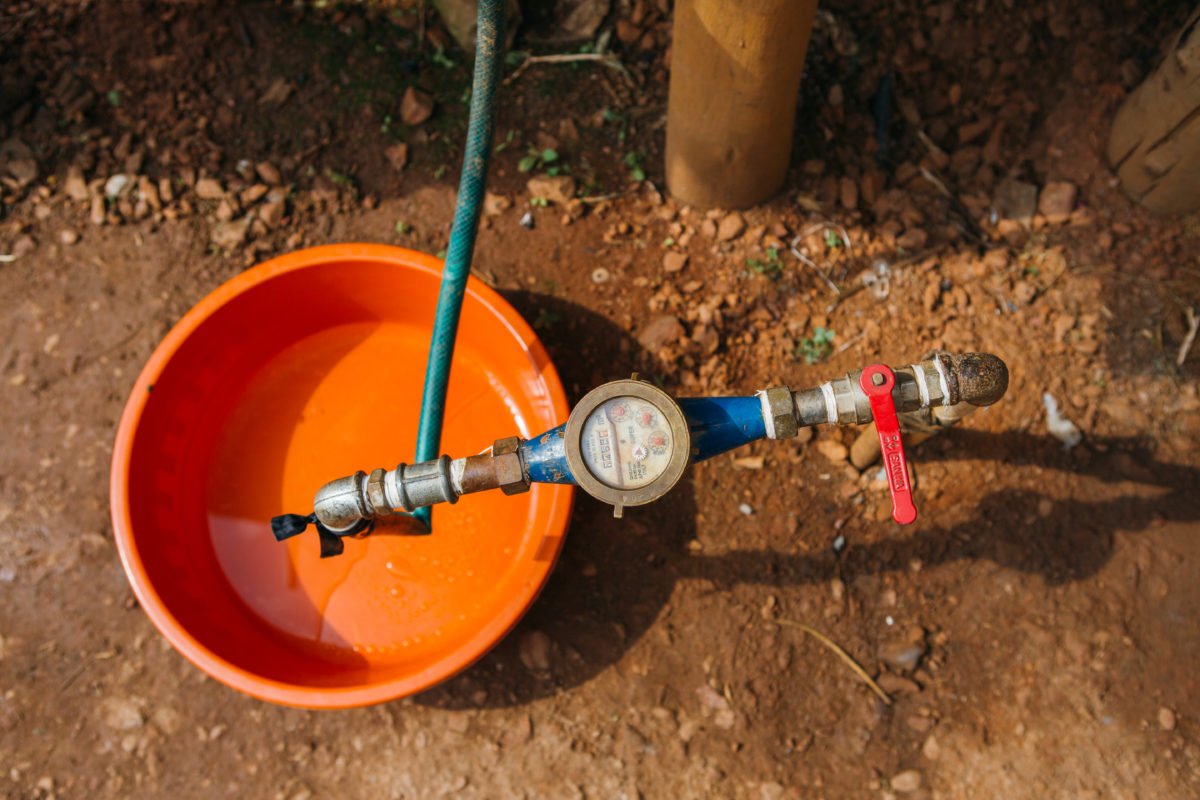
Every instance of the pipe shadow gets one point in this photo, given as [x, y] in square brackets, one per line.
[615, 577]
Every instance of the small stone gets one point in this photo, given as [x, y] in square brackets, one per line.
[209, 189]
[253, 194]
[269, 174]
[97, 212]
[1016, 200]
[1063, 323]
[730, 227]
[1057, 201]
[558, 189]
[907, 781]
[709, 228]
[771, 791]
[416, 106]
[122, 713]
[746, 509]
[228, 235]
[895, 684]
[23, 246]
[527, 220]
[600, 275]
[147, 193]
[495, 204]
[627, 32]
[920, 724]
[397, 156]
[914, 239]
[24, 170]
[277, 93]
[534, 651]
[931, 749]
[674, 262]
[725, 719]
[1166, 719]
[904, 654]
[849, 193]
[272, 213]
[75, 186]
[660, 332]
[973, 130]
[749, 462]
[117, 185]
[711, 698]
[166, 720]
[832, 449]
[68, 236]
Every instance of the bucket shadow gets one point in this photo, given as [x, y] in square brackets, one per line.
[615, 576]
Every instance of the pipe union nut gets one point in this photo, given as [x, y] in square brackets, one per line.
[782, 409]
[506, 460]
[377, 494]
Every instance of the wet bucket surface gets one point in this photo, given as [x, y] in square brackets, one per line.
[304, 369]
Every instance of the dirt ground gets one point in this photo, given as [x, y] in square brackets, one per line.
[1037, 628]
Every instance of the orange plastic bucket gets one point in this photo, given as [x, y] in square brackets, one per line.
[300, 370]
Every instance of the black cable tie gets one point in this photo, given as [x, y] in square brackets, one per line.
[285, 526]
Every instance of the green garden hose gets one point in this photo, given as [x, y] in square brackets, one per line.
[489, 55]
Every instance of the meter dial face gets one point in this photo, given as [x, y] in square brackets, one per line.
[623, 443]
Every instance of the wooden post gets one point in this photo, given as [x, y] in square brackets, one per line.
[1155, 143]
[735, 77]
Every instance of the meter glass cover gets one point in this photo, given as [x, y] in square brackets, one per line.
[625, 443]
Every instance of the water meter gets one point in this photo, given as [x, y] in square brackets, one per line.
[627, 443]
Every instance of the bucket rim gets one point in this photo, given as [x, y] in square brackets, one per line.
[559, 498]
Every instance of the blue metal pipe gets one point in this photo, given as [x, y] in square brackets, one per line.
[717, 425]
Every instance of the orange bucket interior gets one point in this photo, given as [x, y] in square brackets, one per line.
[304, 369]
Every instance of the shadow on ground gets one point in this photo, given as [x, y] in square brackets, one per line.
[615, 576]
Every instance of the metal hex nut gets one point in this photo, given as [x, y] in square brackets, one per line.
[783, 412]
[376, 496]
[506, 460]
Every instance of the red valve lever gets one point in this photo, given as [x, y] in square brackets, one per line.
[877, 381]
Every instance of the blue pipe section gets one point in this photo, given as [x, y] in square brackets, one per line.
[545, 457]
[489, 38]
[717, 425]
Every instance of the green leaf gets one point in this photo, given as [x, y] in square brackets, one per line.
[549, 155]
[440, 58]
[832, 240]
[402, 227]
[527, 163]
[818, 346]
[114, 98]
[638, 174]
